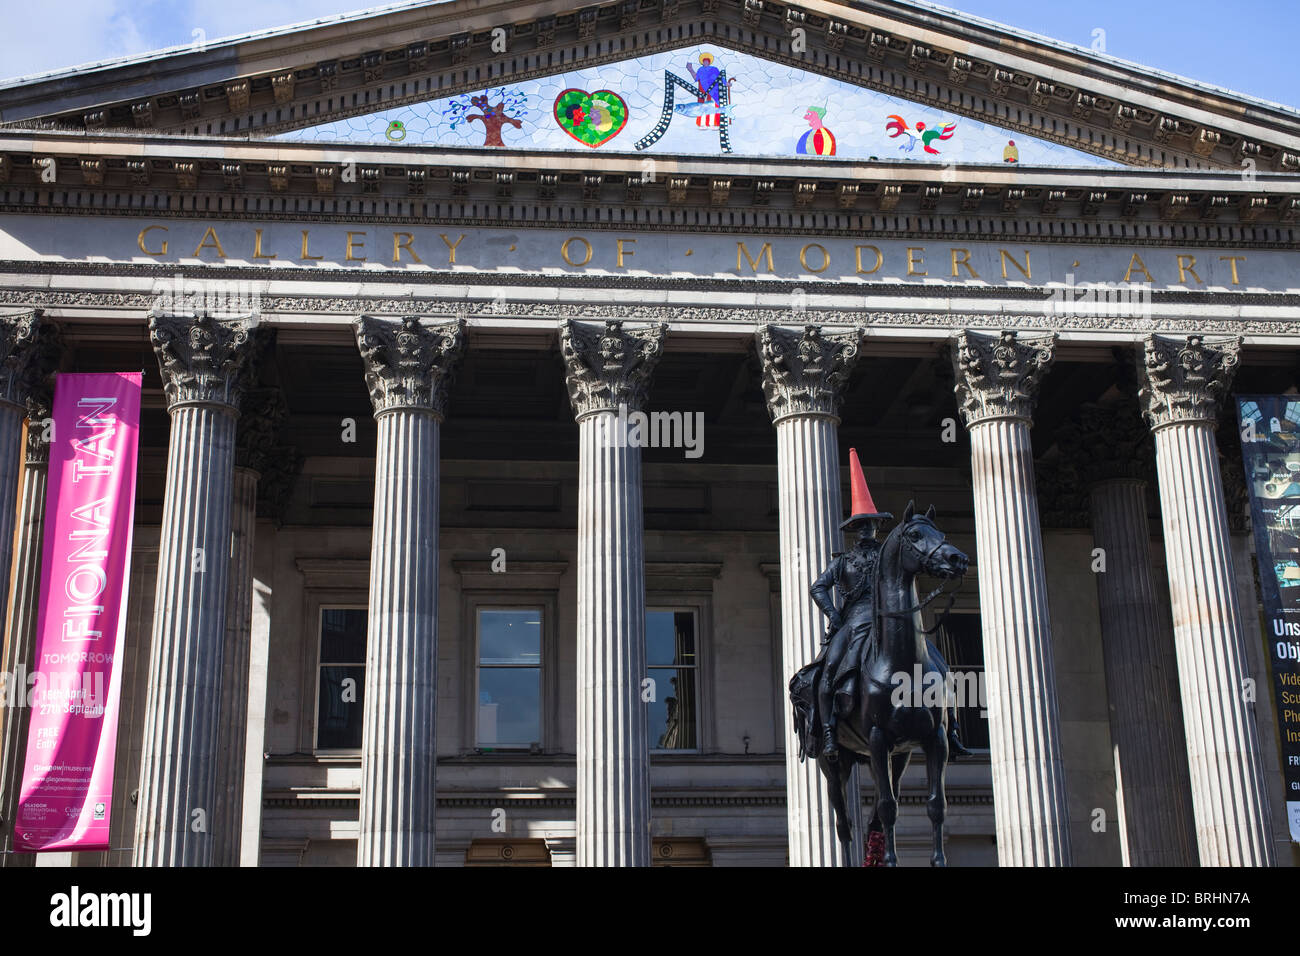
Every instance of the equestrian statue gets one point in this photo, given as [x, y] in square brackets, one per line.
[858, 702]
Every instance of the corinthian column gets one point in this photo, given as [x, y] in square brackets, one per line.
[202, 361]
[21, 634]
[263, 411]
[608, 368]
[409, 366]
[1113, 453]
[997, 379]
[1183, 382]
[804, 375]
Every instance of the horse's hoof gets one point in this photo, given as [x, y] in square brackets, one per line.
[939, 862]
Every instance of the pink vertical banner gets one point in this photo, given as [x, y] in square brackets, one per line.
[65, 802]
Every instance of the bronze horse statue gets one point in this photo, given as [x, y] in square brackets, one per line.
[890, 714]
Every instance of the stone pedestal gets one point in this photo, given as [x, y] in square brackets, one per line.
[997, 379]
[804, 376]
[202, 361]
[409, 366]
[607, 367]
[1184, 380]
[1112, 451]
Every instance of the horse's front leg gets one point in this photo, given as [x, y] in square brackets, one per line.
[936, 760]
[886, 800]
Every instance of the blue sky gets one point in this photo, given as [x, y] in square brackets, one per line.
[1246, 45]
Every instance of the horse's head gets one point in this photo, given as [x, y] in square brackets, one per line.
[925, 550]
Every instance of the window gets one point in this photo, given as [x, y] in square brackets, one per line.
[670, 655]
[509, 678]
[342, 678]
[962, 645]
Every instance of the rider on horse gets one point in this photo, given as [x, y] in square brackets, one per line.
[849, 638]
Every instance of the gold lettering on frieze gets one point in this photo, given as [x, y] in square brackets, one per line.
[624, 252]
[564, 251]
[803, 258]
[257, 247]
[963, 261]
[139, 241]
[214, 244]
[305, 254]
[742, 250]
[403, 240]
[1023, 270]
[352, 245]
[913, 262]
[451, 248]
[1137, 263]
[1233, 260]
[880, 260]
[1187, 265]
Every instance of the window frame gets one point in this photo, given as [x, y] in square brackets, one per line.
[474, 599]
[478, 673]
[321, 608]
[703, 719]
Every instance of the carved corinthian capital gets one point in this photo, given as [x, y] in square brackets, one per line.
[609, 367]
[1184, 379]
[997, 375]
[40, 392]
[264, 412]
[202, 359]
[805, 373]
[18, 333]
[409, 363]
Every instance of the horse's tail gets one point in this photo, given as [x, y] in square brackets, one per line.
[803, 708]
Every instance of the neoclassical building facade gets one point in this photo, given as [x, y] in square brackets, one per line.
[511, 467]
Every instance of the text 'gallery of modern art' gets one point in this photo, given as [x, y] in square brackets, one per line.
[501, 364]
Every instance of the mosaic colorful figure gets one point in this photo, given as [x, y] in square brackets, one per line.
[711, 89]
[898, 127]
[1011, 154]
[591, 118]
[818, 141]
[492, 118]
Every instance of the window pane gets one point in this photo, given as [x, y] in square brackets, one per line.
[964, 640]
[509, 706]
[510, 636]
[343, 635]
[672, 713]
[669, 638]
[338, 720]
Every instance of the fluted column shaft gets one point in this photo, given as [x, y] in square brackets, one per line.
[607, 374]
[203, 362]
[409, 367]
[808, 488]
[804, 377]
[613, 798]
[1232, 823]
[997, 378]
[1184, 381]
[399, 748]
[1146, 727]
[1029, 798]
[228, 815]
[21, 644]
[174, 815]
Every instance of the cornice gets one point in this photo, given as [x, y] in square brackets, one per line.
[223, 178]
[968, 67]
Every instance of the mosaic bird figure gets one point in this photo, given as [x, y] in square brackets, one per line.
[898, 127]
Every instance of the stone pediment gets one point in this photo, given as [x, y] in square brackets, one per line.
[284, 80]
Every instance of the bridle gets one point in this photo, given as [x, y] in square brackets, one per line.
[952, 595]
